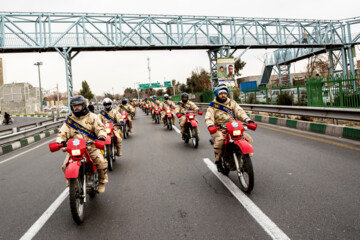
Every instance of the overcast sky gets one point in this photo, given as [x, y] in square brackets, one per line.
[106, 71]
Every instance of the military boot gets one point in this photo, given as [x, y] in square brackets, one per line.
[102, 180]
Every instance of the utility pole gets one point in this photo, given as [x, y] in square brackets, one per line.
[57, 89]
[148, 59]
[137, 90]
[39, 64]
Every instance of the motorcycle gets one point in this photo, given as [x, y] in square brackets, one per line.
[157, 114]
[8, 119]
[191, 126]
[168, 117]
[147, 108]
[110, 149]
[81, 173]
[237, 151]
[125, 125]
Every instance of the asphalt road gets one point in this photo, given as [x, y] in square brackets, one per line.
[21, 121]
[162, 189]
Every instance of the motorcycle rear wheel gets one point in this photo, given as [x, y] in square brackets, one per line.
[77, 204]
[108, 153]
[246, 174]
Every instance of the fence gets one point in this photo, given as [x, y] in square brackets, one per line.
[333, 92]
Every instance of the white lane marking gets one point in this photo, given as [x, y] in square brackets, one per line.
[176, 129]
[264, 221]
[6, 160]
[35, 228]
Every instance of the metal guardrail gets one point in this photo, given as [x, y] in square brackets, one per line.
[27, 126]
[321, 112]
[30, 132]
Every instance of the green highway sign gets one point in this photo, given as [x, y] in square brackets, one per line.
[167, 84]
[155, 85]
[144, 86]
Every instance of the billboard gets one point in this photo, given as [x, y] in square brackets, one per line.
[225, 70]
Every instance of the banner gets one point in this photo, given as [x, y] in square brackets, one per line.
[226, 69]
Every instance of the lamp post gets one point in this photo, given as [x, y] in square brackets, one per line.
[137, 89]
[38, 65]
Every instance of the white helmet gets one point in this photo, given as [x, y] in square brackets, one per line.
[107, 102]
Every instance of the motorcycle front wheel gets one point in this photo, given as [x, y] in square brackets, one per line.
[108, 153]
[124, 131]
[169, 123]
[245, 171]
[77, 204]
[194, 139]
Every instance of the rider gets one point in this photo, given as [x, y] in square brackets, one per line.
[181, 108]
[110, 115]
[124, 106]
[167, 103]
[133, 104]
[154, 102]
[219, 112]
[90, 125]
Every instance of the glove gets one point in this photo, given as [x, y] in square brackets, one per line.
[101, 139]
[200, 112]
[63, 143]
[179, 115]
[250, 121]
[213, 129]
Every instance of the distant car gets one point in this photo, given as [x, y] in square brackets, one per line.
[64, 109]
[47, 109]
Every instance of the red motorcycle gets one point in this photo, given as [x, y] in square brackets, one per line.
[237, 151]
[110, 144]
[125, 125]
[147, 108]
[81, 173]
[157, 114]
[191, 126]
[168, 117]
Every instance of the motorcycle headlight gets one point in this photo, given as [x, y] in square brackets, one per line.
[108, 130]
[191, 116]
[168, 111]
[236, 132]
[75, 152]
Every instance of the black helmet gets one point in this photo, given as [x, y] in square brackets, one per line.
[166, 96]
[107, 102]
[79, 100]
[184, 95]
[124, 101]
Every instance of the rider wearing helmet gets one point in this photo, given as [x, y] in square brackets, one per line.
[154, 102]
[125, 106]
[219, 112]
[93, 125]
[181, 108]
[167, 103]
[133, 104]
[110, 115]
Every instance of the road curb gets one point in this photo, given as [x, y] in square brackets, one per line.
[24, 142]
[352, 133]
[37, 115]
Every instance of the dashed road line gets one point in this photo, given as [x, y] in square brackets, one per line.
[10, 158]
[264, 221]
[35, 228]
[176, 129]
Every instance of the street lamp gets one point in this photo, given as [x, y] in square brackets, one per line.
[38, 64]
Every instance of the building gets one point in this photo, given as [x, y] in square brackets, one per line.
[18, 98]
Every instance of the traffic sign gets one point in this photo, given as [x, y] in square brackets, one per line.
[155, 85]
[144, 86]
[167, 84]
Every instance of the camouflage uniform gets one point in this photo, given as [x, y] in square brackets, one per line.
[117, 117]
[216, 117]
[130, 110]
[152, 105]
[92, 122]
[189, 106]
[164, 105]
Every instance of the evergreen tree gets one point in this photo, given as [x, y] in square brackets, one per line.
[85, 91]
